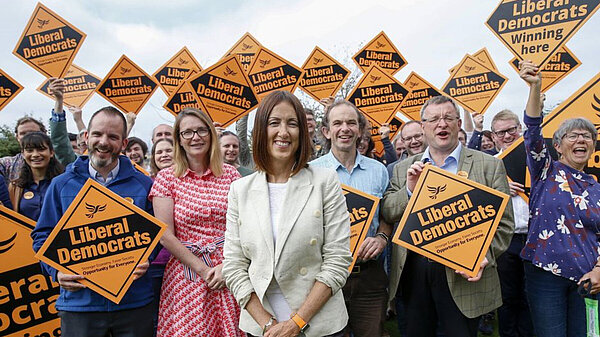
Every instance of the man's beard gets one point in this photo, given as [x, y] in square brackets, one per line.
[100, 163]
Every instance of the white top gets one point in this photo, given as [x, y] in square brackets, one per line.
[274, 295]
[520, 210]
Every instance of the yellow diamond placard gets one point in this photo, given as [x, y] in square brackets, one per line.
[484, 57]
[378, 95]
[270, 72]
[80, 85]
[49, 43]
[28, 297]
[224, 90]
[473, 85]
[171, 74]
[558, 67]
[395, 126]
[451, 220]
[245, 49]
[103, 237]
[535, 30]
[323, 75]
[127, 86]
[382, 52]
[361, 208]
[420, 92]
[9, 88]
[183, 97]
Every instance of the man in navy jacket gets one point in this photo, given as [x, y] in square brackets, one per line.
[84, 312]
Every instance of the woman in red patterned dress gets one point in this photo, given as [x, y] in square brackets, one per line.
[191, 197]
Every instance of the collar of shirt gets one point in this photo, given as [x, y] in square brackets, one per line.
[191, 173]
[450, 163]
[335, 163]
[99, 178]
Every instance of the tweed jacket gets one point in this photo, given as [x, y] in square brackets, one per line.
[472, 298]
[313, 244]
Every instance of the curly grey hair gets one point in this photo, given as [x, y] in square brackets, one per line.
[574, 124]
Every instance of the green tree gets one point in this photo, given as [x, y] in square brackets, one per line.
[8, 142]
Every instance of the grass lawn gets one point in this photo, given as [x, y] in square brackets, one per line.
[392, 328]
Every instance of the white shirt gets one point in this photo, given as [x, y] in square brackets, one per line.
[274, 295]
[520, 210]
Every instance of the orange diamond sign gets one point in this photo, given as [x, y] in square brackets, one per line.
[270, 72]
[245, 49]
[382, 52]
[80, 85]
[420, 92]
[224, 90]
[102, 237]
[171, 74]
[28, 300]
[127, 86]
[48, 43]
[361, 208]
[378, 95]
[535, 30]
[9, 88]
[323, 75]
[451, 220]
[473, 85]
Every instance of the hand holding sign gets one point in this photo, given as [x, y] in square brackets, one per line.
[70, 282]
[412, 175]
[484, 263]
[530, 73]
[57, 88]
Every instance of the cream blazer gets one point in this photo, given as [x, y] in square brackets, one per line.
[313, 244]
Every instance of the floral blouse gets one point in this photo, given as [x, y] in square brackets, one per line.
[564, 211]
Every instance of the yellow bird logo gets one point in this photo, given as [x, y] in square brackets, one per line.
[412, 84]
[263, 63]
[375, 79]
[317, 60]
[435, 190]
[125, 70]
[246, 46]
[228, 71]
[468, 69]
[93, 209]
[182, 61]
[42, 23]
[7, 244]
[379, 45]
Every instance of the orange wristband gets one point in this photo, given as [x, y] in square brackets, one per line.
[299, 321]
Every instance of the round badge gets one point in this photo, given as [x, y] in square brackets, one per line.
[463, 174]
[28, 195]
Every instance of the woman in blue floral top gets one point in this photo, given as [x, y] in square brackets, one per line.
[562, 244]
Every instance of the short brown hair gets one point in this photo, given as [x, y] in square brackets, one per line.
[29, 119]
[214, 160]
[259, 132]
[505, 115]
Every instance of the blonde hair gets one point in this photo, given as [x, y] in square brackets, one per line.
[214, 160]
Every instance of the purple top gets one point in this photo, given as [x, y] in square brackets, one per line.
[564, 211]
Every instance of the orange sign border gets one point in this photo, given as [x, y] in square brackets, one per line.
[411, 203]
[91, 184]
[413, 73]
[59, 18]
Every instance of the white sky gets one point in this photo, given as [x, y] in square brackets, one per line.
[433, 35]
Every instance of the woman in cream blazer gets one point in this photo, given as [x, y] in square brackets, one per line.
[286, 253]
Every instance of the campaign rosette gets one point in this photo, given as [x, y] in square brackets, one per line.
[102, 237]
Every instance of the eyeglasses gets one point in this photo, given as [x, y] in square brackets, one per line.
[511, 131]
[436, 120]
[189, 134]
[416, 137]
[573, 136]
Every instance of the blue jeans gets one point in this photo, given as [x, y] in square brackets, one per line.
[557, 310]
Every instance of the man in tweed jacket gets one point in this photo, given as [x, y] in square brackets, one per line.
[432, 292]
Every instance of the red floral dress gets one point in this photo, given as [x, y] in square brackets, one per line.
[187, 306]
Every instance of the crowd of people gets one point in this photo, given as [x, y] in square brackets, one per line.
[260, 246]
